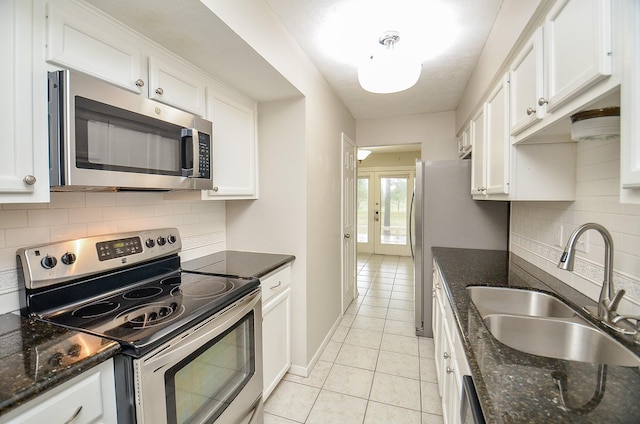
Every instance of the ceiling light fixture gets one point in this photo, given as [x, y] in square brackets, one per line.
[362, 154]
[390, 70]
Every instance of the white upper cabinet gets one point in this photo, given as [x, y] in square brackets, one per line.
[577, 51]
[630, 108]
[526, 84]
[497, 139]
[24, 173]
[80, 38]
[235, 158]
[87, 42]
[478, 141]
[565, 66]
[175, 85]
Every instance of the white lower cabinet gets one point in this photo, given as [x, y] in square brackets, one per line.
[451, 363]
[89, 398]
[276, 328]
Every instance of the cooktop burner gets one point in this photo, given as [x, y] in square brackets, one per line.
[137, 316]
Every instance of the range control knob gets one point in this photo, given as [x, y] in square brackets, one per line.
[150, 243]
[68, 258]
[171, 239]
[48, 262]
[161, 241]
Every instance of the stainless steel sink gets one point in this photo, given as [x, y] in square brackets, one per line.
[562, 339]
[541, 324]
[506, 300]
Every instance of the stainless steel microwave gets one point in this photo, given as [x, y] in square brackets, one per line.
[102, 137]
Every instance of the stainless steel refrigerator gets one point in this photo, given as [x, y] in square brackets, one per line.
[445, 215]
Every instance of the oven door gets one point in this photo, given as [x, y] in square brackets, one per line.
[210, 373]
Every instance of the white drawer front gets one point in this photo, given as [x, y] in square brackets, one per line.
[275, 282]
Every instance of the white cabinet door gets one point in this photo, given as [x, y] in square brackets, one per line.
[24, 144]
[526, 85]
[276, 340]
[85, 41]
[478, 174]
[577, 48]
[176, 86]
[235, 165]
[89, 398]
[276, 328]
[630, 108]
[497, 139]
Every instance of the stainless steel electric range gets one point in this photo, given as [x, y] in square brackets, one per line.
[191, 341]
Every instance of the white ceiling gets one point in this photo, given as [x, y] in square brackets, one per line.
[443, 78]
[189, 29]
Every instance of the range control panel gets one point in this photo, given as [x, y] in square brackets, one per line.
[54, 263]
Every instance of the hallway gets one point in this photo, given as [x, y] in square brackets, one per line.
[374, 369]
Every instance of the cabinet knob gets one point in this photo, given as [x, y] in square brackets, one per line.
[542, 101]
[29, 180]
[347, 236]
[159, 91]
[530, 111]
[139, 82]
[446, 355]
[449, 370]
[215, 189]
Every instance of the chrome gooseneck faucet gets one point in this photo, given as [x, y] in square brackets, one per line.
[609, 298]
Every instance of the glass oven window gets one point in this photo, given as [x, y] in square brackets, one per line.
[114, 139]
[202, 385]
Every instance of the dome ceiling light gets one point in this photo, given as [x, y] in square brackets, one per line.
[389, 70]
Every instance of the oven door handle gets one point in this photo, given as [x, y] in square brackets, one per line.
[171, 352]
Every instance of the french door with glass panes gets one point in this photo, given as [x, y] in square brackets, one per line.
[384, 201]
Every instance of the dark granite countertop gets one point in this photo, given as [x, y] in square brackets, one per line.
[240, 263]
[515, 387]
[31, 359]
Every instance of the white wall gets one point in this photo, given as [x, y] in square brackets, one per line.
[317, 306]
[535, 227]
[435, 132]
[73, 215]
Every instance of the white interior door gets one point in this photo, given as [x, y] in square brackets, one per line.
[348, 221]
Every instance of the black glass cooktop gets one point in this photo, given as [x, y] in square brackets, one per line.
[142, 316]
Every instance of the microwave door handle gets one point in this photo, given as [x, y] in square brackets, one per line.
[195, 146]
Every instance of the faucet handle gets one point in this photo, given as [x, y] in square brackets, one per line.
[612, 304]
[628, 318]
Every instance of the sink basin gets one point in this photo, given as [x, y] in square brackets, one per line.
[506, 300]
[561, 339]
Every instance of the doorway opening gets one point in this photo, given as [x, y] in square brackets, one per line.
[384, 191]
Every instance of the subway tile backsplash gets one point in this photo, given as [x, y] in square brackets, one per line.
[72, 215]
[536, 227]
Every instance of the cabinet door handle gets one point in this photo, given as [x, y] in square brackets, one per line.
[542, 101]
[530, 111]
[139, 83]
[276, 286]
[449, 370]
[74, 416]
[159, 91]
[29, 180]
[446, 356]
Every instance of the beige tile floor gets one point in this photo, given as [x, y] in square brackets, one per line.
[374, 369]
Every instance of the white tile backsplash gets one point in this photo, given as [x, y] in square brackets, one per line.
[535, 227]
[72, 215]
